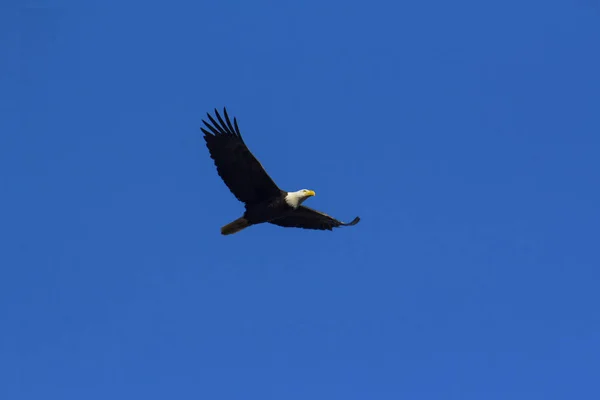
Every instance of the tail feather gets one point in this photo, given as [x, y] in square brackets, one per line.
[235, 226]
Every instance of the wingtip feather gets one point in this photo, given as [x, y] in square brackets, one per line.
[219, 126]
[237, 129]
[354, 221]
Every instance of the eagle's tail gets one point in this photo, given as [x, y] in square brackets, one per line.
[235, 226]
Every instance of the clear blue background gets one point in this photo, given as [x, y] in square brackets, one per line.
[466, 135]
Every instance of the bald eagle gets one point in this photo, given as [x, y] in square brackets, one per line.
[249, 182]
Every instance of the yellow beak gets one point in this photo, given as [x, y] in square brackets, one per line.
[311, 193]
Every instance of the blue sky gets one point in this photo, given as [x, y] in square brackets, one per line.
[465, 134]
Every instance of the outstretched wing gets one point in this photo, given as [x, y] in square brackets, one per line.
[307, 218]
[240, 170]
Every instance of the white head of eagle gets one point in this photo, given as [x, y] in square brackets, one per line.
[294, 199]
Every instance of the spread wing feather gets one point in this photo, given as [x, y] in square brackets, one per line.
[307, 218]
[236, 165]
